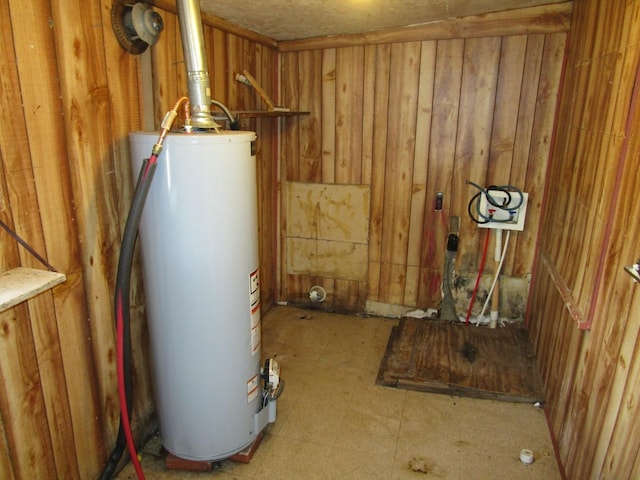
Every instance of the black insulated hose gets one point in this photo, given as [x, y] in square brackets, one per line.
[123, 283]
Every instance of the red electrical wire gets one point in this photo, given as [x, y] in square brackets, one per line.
[475, 289]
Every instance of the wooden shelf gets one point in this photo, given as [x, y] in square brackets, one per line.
[258, 114]
[21, 284]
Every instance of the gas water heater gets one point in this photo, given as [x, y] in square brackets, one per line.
[199, 242]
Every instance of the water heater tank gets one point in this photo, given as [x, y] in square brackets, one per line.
[199, 243]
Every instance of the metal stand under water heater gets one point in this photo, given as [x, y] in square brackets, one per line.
[198, 238]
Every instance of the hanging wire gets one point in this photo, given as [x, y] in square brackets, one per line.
[499, 202]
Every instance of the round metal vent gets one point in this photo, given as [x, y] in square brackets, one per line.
[135, 25]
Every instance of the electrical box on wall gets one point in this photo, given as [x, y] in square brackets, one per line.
[508, 215]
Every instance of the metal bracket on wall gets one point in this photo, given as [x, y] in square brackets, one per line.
[634, 271]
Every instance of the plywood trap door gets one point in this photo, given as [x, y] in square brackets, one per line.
[460, 359]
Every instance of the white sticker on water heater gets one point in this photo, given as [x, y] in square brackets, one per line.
[254, 305]
[252, 388]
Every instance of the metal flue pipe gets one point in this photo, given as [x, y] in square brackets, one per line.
[195, 60]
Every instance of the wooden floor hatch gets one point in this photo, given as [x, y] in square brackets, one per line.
[460, 359]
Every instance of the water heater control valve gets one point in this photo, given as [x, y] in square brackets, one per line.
[271, 374]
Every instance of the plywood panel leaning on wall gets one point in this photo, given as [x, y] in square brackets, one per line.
[329, 237]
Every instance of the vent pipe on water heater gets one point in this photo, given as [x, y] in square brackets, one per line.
[196, 63]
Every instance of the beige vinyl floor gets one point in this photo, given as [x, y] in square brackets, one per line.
[334, 422]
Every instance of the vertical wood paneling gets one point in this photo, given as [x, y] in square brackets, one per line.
[236, 92]
[501, 153]
[558, 349]
[419, 202]
[617, 435]
[249, 62]
[23, 409]
[348, 119]
[381, 101]
[440, 112]
[310, 78]
[588, 226]
[609, 375]
[368, 112]
[402, 114]
[539, 149]
[289, 161]
[512, 55]
[78, 368]
[593, 95]
[328, 112]
[529, 102]
[268, 181]
[71, 409]
[218, 68]
[54, 386]
[6, 469]
[617, 450]
[22, 196]
[178, 71]
[473, 139]
[290, 93]
[87, 108]
[165, 58]
[442, 150]
[446, 69]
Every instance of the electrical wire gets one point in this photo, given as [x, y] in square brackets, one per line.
[234, 122]
[269, 394]
[498, 202]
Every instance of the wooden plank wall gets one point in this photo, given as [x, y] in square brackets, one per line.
[585, 310]
[60, 182]
[421, 113]
[68, 97]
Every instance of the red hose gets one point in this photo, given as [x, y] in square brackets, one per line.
[475, 289]
[121, 389]
[153, 159]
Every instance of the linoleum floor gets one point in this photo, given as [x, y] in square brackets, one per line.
[334, 422]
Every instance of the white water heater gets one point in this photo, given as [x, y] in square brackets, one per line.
[199, 243]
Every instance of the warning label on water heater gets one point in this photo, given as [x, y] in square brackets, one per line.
[254, 304]
[252, 389]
